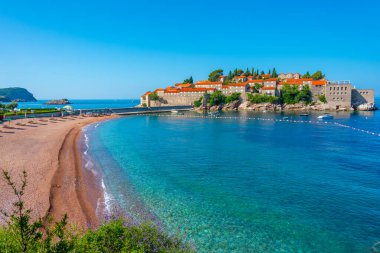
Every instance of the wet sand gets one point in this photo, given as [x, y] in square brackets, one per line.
[57, 183]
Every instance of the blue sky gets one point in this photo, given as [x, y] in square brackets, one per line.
[120, 49]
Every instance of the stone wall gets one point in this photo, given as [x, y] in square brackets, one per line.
[338, 96]
[362, 97]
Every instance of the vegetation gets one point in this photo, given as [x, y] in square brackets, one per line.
[290, 94]
[322, 98]
[261, 98]
[256, 88]
[24, 235]
[4, 110]
[213, 76]
[216, 98]
[274, 73]
[188, 80]
[318, 75]
[198, 103]
[232, 98]
[154, 97]
[307, 75]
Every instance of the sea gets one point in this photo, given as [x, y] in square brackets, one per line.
[244, 181]
[83, 104]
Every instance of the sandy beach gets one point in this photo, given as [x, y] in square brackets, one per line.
[57, 184]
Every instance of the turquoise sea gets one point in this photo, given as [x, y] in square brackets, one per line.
[84, 104]
[246, 185]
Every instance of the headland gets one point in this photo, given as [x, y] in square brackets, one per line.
[259, 91]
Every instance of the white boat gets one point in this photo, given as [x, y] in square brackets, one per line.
[325, 116]
[174, 111]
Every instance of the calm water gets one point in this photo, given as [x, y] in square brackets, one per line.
[84, 104]
[236, 185]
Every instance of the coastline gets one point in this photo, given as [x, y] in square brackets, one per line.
[58, 182]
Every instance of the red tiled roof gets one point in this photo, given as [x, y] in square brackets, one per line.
[256, 81]
[208, 83]
[238, 84]
[319, 82]
[270, 79]
[197, 89]
[268, 88]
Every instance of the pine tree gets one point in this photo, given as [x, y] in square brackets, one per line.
[247, 73]
[269, 72]
[274, 73]
[253, 71]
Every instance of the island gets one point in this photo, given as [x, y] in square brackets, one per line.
[263, 91]
[16, 94]
[62, 101]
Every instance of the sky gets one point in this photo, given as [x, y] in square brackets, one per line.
[93, 49]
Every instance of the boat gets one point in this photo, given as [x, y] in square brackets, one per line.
[285, 118]
[325, 116]
[304, 114]
[214, 114]
[174, 111]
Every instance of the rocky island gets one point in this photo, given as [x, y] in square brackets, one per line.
[62, 101]
[260, 91]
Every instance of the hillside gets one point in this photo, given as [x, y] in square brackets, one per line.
[17, 94]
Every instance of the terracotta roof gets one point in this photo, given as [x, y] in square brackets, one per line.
[171, 91]
[266, 75]
[256, 81]
[208, 83]
[197, 89]
[270, 79]
[159, 89]
[319, 82]
[147, 93]
[183, 85]
[238, 84]
[268, 88]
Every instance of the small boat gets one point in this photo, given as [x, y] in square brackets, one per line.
[304, 114]
[214, 114]
[285, 118]
[174, 111]
[325, 116]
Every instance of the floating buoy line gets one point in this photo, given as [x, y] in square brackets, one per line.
[263, 119]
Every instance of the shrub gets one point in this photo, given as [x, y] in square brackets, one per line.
[198, 103]
[322, 98]
[217, 98]
[233, 97]
[261, 98]
[154, 97]
[290, 94]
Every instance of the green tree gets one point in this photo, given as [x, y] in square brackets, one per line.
[247, 72]
[274, 73]
[262, 73]
[216, 98]
[198, 103]
[233, 97]
[261, 98]
[239, 72]
[256, 88]
[153, 96]
[307, 75]
[322, 98]
[11, 106]
[188, 80]
[290, 94]
[318, 75]
[230, 76]
[304, 95]
[253, 71]
[214, 76]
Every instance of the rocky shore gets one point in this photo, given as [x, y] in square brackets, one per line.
[319, 106]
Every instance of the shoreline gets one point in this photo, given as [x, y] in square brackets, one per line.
[58, 183]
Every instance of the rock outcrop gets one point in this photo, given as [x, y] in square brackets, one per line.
[62, 101]
[366, 107]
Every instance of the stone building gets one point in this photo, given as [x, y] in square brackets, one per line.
[338, 94]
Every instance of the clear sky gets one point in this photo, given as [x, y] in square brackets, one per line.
[120, 49]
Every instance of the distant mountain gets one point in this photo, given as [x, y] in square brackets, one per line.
[16, 94]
